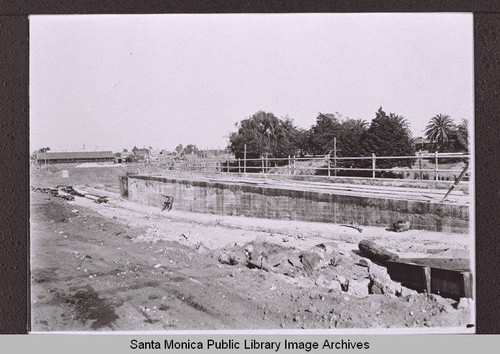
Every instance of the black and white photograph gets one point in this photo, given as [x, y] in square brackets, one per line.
[252, 173]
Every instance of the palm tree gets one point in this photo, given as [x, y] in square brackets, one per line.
[439, 129]
[361, 123]
[464, 124]
[463, 133]
[402, 122]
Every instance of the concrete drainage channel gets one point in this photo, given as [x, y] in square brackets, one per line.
[378, 206]
[446, 273]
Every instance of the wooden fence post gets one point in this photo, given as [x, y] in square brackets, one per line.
[289, 165]
[245, 160]
[239, 165]
[335, 156]
[436, 165]
[373, 166]
[262, 159]
[420, 173]
[328, 165]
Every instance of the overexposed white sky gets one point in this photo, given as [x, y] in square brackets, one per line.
[114, 81]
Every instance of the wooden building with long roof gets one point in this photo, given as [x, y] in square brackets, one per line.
[76, 156]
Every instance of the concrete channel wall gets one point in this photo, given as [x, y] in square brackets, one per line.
[277, 202]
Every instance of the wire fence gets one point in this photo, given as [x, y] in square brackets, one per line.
[436, 166]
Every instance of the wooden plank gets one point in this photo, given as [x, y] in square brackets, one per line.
[456, 264]
[65, 195]
[445, 282]
[426, 279]
[415, 194]
[386, 188]
[348, 187]
[410, 275]
[462, 174]
[376, 252]
[467, 284]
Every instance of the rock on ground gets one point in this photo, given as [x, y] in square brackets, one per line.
[381, 282]
[330, 284]
[358, 287]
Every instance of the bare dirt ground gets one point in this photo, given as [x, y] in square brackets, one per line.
[122, 266]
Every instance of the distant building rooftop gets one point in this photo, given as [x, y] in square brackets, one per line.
[140, 152]
[77, 155]
[421, 140]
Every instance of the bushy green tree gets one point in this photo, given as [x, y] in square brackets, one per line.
[302, 138]
[322, 134]
[463, 134]
[265, 134]
[179, 149]
[349, 137]
[388, 135]
[190, 149]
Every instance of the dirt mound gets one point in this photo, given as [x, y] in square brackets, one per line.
[322, 265]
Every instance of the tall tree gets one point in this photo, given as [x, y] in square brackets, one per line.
[179, 148]
[349, 137]
[439, 129]
[463, 134]
[301, 141]
[190, 149]
[388, 135]
[264, 134]
[322, 134]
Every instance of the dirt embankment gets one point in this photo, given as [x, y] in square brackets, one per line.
[123, 266]
[128, 270]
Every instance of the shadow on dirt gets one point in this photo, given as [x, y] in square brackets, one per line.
[189, 300]
[90, 307]
[44, 275]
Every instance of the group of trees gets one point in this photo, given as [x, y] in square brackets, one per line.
[186, 150]
[182, 151]
[265, 134]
